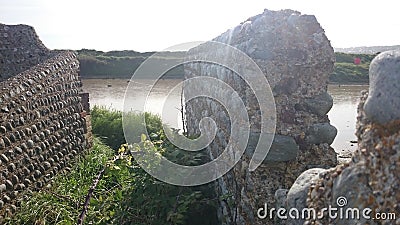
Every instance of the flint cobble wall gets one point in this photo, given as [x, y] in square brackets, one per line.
[43, 125]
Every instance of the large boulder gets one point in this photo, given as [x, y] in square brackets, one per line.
[383, 103]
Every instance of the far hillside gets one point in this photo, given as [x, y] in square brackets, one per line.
[122, 64]
[351, 68]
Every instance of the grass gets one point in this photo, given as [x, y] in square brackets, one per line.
[345, 71]
[350, 73]
[126, 194]
[60, 201]
[107, 124]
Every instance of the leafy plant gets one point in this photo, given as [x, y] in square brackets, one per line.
[126, 194]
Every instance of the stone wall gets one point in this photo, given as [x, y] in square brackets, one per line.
[20, 49]
[43, 125]
[372, 178]
[295, 56]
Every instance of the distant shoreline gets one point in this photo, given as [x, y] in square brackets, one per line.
[122, 65]
[348, 83]
[176, 78]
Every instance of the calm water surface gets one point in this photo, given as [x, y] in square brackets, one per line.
[344, 113]
[111, 92]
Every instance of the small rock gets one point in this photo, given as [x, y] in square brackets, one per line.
[320, 104]
[9, 185]
[3, 188]
[297, 195]
[321, 133]
[280, 198]
[4, 158]
[283, 148]
[30, 144]
[11, 167]
[5, 109]
[20, 187]
[15, 179]
[18, 150]
[7, 141]
[9, 126]
[6, 198]
[13, 208]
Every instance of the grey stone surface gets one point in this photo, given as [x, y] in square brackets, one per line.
[352, 184]
[283, 148]
[297, 195]
[369, 181]
[297, 59]
[383, 103]
[280, 198]
[39, 92]
[320, 104]
[280, 202]
[21, 49]
[321, 133]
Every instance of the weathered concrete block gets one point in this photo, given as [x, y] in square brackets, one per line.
[383, 102]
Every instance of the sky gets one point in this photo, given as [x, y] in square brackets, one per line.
[154, 25]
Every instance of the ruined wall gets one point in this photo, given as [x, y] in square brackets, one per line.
[20, 49]
[372, 178]
[43, 125]
[296, 57]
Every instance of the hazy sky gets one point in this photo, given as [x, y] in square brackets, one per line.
[148, 25]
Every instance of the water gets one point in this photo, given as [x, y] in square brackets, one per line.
[111, 92]
[344, 113]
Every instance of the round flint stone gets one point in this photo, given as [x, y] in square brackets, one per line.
[383, 102]
[321, 133]
[320, 104]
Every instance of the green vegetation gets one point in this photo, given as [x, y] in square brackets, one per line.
[122, 64]
[347, 72]
[125, 194]
[60, 201]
